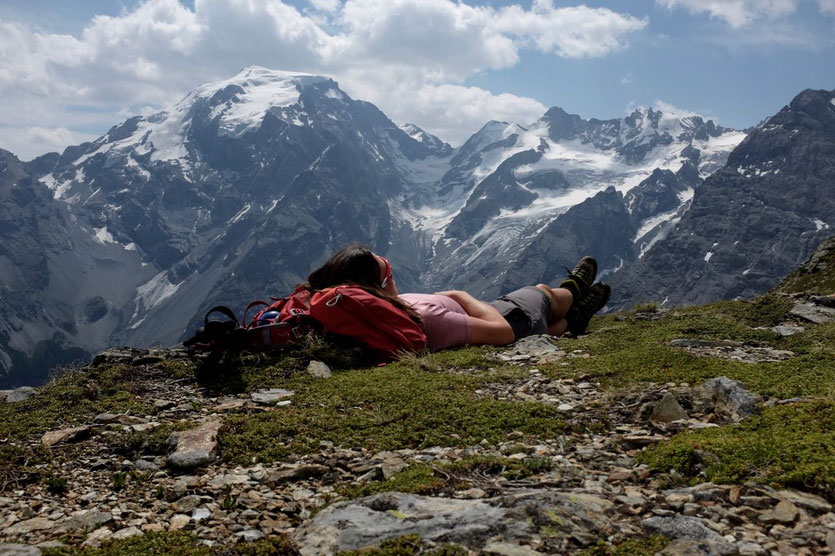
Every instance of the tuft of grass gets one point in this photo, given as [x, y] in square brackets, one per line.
[636, 546]
[401, 405]
[152, 442]
[56, 485]
[791, 445]
[627, 351]
[425, 478]
[178, 543]
[643, 308]
[405, 546]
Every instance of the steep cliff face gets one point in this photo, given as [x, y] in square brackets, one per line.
[752, 221]
[61, 288]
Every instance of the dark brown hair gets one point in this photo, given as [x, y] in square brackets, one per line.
[356, 265]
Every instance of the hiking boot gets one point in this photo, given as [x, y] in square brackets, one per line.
[590, 303]
[580, 278]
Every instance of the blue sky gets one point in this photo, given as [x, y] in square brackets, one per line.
[446, 66]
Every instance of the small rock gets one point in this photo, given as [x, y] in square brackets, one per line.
[813, 312]
[18, 394]
[297, 474]
[195, 447]
[270, 395]
[830, 540]
[15, 549]
[565, 407]
[668, 410]
[200, 514]
[508, 549]
[98, 536]
[85, 521]
[319, 370]
[392, 466]
[679, 527]
[787, 329]
[784, 512]
[472, 494]
[117, 418]
[146, 466]
[164, 404]
[731, 397]
[251, 535]
[178, 522]
[186, 504]
[71, 434]
[227, 480]
[805, 500]
[126, 533]
[28, 526]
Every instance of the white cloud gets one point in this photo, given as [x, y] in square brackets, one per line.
[572, 32]
[384, 51]
[739, 13]
[627, 79]
[736, 12]
[326, 5]
[827, 6]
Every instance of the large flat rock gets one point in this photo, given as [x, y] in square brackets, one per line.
[195, 447]
[367, 522]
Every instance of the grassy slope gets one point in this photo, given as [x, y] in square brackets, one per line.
[430, 400]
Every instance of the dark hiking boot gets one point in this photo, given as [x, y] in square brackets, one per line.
[580, 278]
[590, 303]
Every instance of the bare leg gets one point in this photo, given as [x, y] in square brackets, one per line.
[558, 328]
[561, 300]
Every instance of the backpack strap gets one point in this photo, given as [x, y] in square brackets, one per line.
[250, 306]
[223, 310]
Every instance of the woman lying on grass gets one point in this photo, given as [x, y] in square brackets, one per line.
[454, 318]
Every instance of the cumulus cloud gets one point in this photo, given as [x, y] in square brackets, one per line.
[384, 51]
[572, 32]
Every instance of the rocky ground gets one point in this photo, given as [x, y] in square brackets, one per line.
[128, 474]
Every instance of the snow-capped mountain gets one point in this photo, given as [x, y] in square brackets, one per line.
[240, 189]
[752, 221]
[508, 186]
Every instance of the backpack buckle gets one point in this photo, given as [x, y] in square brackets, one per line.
[334, 300]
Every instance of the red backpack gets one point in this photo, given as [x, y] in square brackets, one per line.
[281, 323]
[383, 328]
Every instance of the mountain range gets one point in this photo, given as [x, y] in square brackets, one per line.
[240, 189]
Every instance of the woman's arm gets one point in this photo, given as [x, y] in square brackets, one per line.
[487, 325]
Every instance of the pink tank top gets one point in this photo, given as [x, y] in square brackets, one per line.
[445, 322]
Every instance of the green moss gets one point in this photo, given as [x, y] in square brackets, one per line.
[153, 442]
[178, 368]
[177, 544]
[405, 546]
[626, 350]
[401, 405]
[74, 398]
[425, 478]
[785, 446]
[418, 478]
[636, 546]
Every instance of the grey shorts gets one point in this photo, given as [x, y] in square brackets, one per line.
[526, 310]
